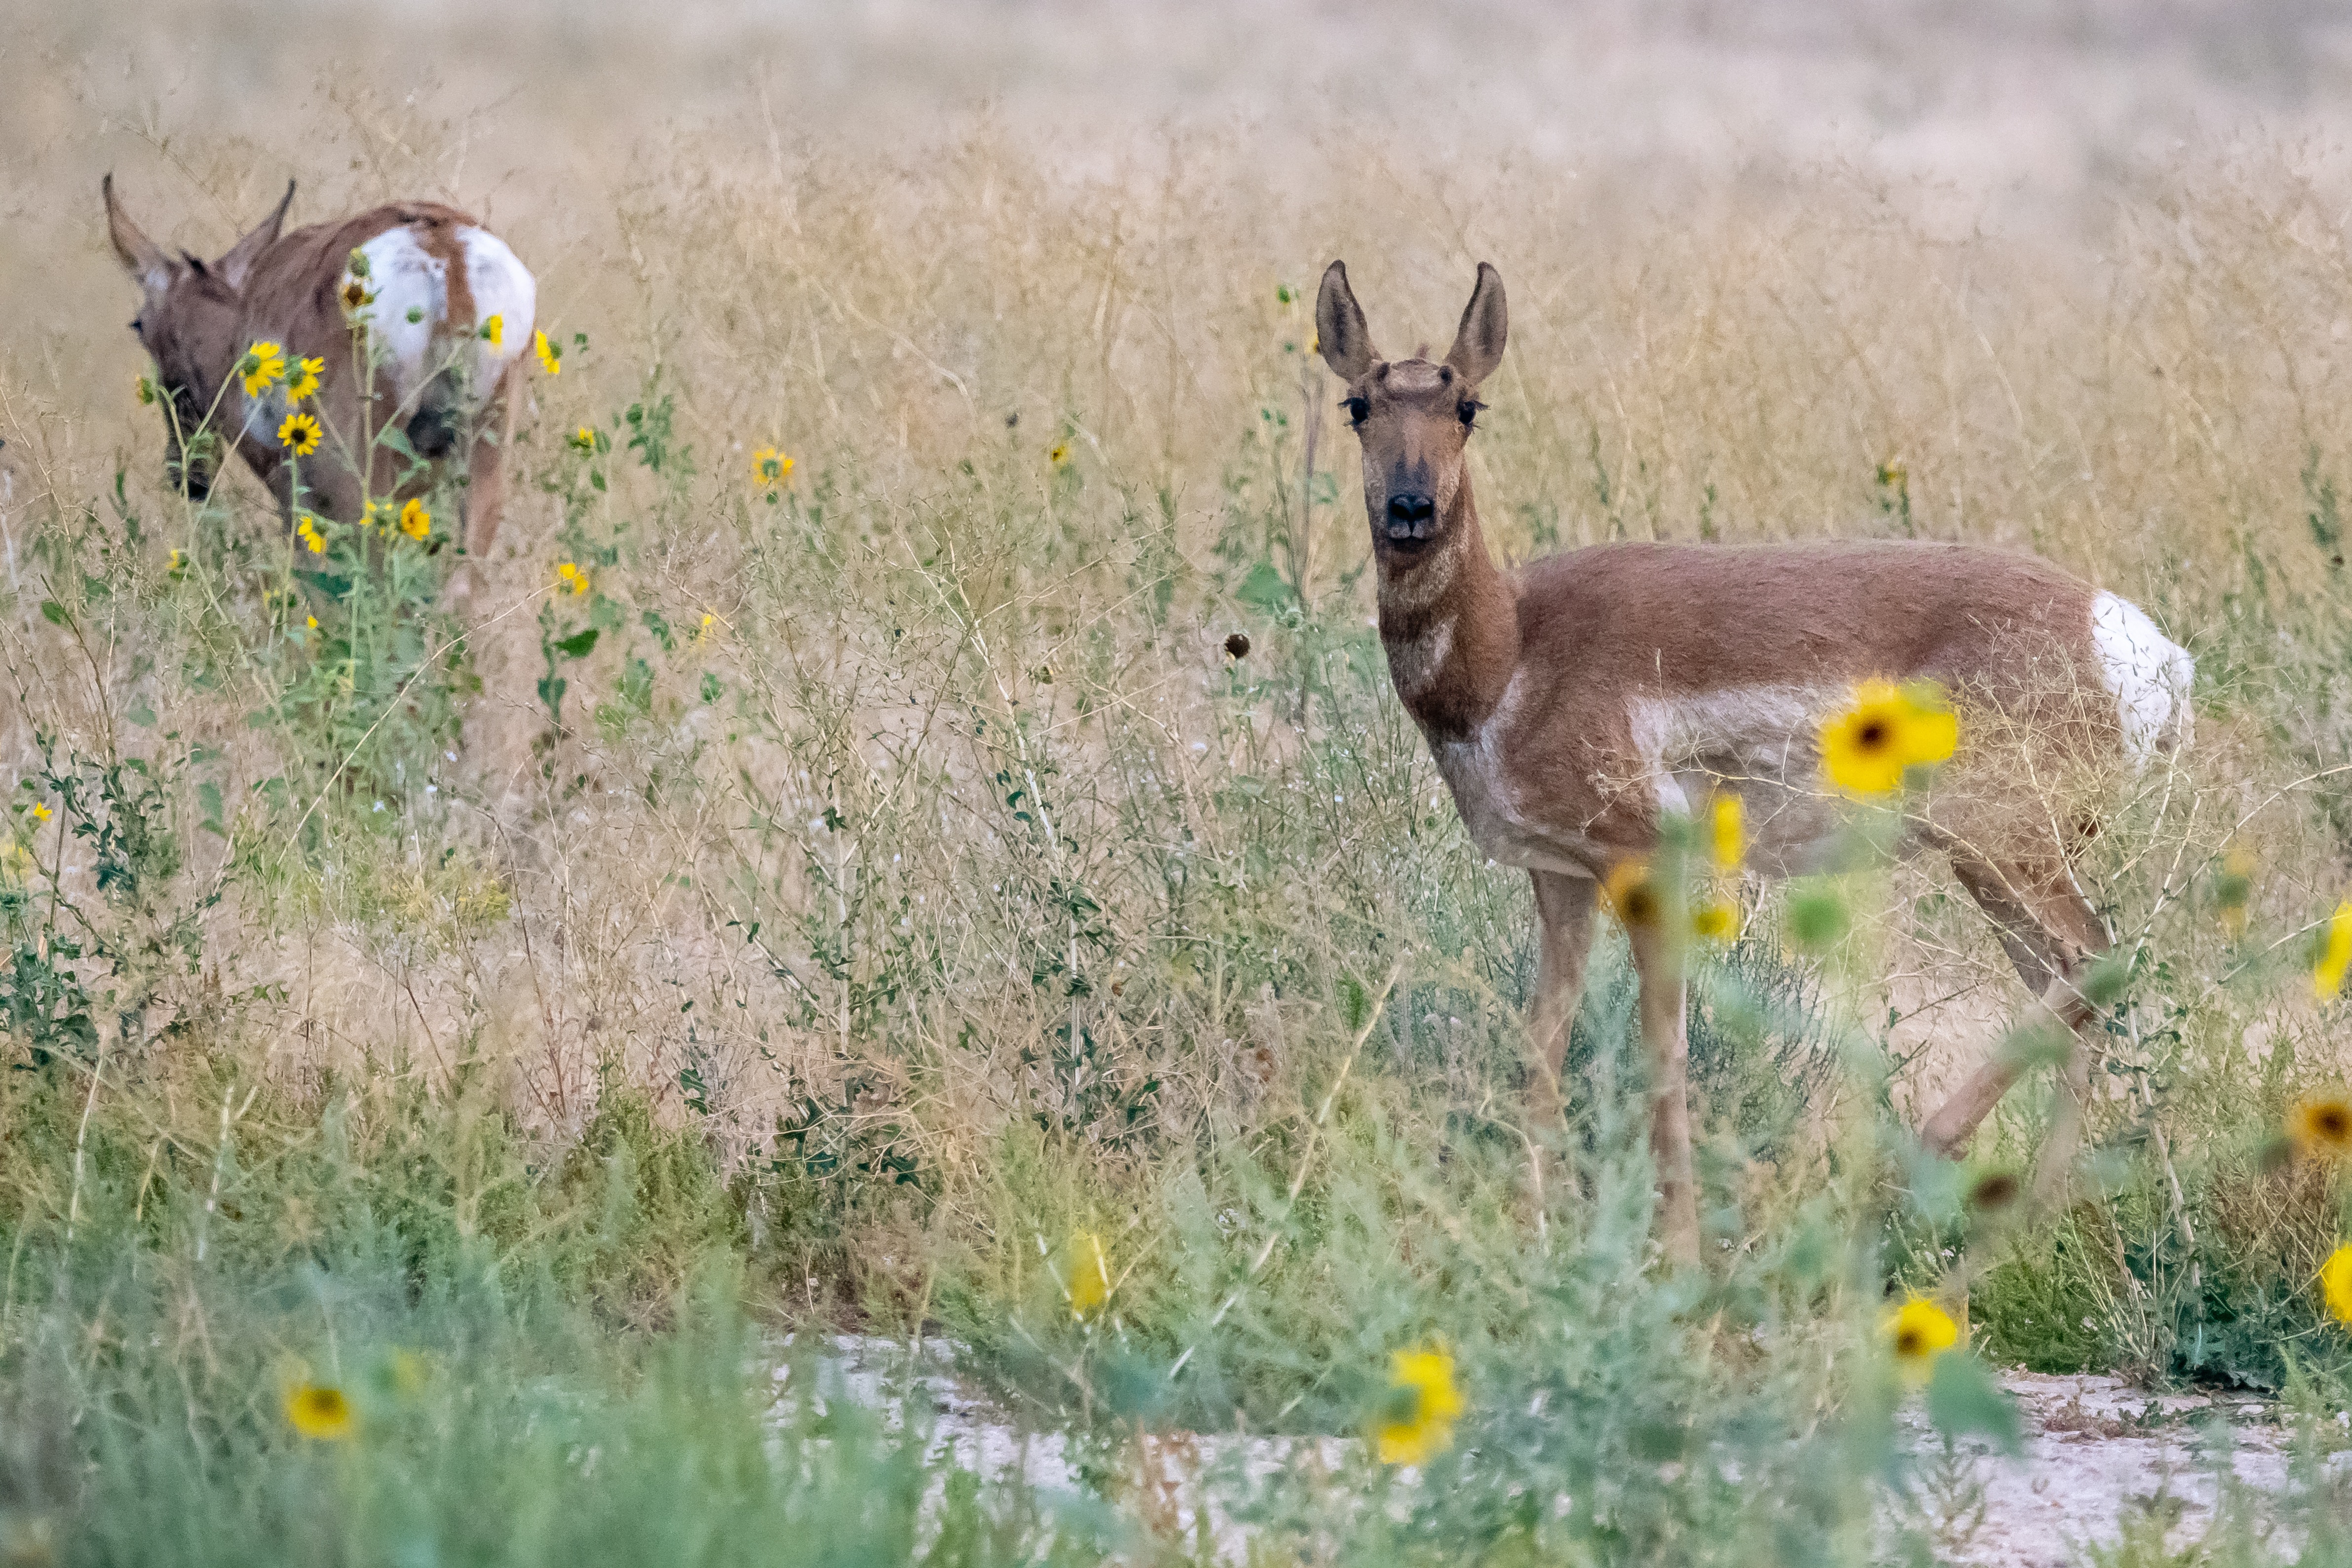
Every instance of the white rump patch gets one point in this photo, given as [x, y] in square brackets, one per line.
[504, 287]
[2149, 674]
[411, 308]
[412, 296]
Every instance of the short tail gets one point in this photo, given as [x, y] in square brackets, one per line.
[2151, 676]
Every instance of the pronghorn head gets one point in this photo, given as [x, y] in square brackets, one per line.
[189, 318]
[1414, 417]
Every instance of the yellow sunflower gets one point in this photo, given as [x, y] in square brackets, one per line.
[415, 520]
[1089, 1286]
[1632, 891]
[299, 434]
[582, 440]
[2320, 1128]
[569, 576]
[1717, 920]
[1415, 1420]
[306, 529]
[495, 330]
[769, 467]
[305, 379]
[318, 1411]
[551, 356]
[1917, 1332]
[1884, 731]
[263, 366]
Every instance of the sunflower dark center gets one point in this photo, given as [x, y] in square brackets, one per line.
[1870, 735]
[2333, 1122]
[1907, 1341]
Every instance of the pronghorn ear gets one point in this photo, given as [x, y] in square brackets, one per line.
[1486, 323]
[237, 263]
[139, 254]
[1345, 340]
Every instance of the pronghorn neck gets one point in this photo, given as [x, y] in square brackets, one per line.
[1449, 620]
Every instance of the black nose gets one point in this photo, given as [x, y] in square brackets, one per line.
[1412, 517]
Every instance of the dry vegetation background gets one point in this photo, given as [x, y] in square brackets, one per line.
[908, 899]
[2070, 279]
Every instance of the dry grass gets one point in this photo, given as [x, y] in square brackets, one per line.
[2137, 368]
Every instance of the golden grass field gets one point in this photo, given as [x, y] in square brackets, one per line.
[1025, 293]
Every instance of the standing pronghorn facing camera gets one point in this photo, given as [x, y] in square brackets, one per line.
[410, 317]
[1576, 710]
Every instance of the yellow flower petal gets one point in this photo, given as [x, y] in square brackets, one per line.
[1088, 1285]
[2334, 953]
[2335, 1284]
[1728, 839]
[1417, 1421]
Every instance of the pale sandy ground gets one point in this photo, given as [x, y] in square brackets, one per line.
[2097, 1451]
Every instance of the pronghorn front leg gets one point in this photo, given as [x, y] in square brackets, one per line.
[1563, 946]
[1665, 1040]
[2050, 933]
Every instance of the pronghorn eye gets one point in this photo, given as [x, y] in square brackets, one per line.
[1357, 407]
[1469, 410]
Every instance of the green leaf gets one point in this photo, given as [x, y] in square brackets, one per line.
[1963, 1400]
[1818, 916]
[1263, 589]
[578, 644]
[143, 715]
[55, 614]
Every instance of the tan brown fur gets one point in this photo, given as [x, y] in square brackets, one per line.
[1529, 691]
[197, 320]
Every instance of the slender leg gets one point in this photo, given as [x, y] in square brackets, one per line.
[1563, 944]
[1658, 960]
[2050, 933]
[485, 470]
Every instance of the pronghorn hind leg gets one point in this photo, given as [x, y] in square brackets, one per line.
[1665, 1039]
[2051, 933]
[486, 468]
[1563, 947]
[485, 497]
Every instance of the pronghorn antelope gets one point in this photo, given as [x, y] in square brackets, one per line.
[1574, 708]
[397, 305]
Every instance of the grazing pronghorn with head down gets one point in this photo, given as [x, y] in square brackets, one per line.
[1576, 708]
[416, 316]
